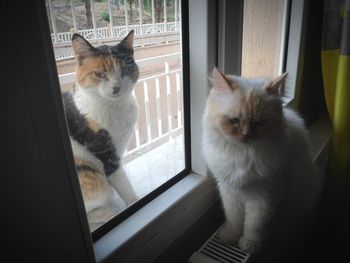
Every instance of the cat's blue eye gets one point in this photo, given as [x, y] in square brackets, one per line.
[99, 74]
[233, 120]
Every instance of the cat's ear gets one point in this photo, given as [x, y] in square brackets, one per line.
[82, 48]
[220, 82]
[128, 41]
[275, 87]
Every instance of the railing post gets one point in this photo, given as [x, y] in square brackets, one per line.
[73, 16]
[153, 17]
[179, 101]
[110, 18]
[93, 17]
[179, 15]
[168, 98]
[53, 21]
[147, 112]
[126, 17]
[159, 115]
[165, 17]
[140, 17]
[137, 129]
[176, 15]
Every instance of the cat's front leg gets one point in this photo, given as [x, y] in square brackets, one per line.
[122, 185]
[257, 213]
[234, 213]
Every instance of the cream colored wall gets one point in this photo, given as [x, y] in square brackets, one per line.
[262, 29]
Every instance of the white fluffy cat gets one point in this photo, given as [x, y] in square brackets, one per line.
[258, 152]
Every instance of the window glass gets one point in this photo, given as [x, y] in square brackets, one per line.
[121, 154]
[264, 27]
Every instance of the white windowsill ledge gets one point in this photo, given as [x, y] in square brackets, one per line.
[161, 221]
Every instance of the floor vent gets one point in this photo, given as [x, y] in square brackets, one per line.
[214, 251]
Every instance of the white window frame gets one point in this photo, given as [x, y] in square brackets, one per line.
[145, 235]
[294, 59]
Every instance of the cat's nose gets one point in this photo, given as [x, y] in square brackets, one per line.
[245, 132]
[246, 136]
[116, 90]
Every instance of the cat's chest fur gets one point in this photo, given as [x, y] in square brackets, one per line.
[238, 165]
[230, 165]
[118, 117]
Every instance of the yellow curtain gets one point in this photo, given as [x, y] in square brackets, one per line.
[336, 79]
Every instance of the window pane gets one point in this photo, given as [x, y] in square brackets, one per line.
[263, 37]
[135, 152]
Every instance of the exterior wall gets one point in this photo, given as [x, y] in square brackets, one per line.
[262, 37]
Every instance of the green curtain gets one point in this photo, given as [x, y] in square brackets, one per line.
[336, 78]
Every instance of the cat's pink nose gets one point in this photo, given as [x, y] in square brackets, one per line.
[246, 136]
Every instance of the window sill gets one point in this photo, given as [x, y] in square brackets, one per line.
[143, 236]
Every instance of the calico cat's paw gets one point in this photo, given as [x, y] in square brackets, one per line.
[229, 235]
[248, 245]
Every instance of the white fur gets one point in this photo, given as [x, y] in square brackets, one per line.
[256, 180]
[118, 116]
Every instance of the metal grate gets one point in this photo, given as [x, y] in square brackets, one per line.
[214, 251]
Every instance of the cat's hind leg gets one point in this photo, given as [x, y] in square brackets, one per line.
[96, 190]
[122, 185]
[101, 215]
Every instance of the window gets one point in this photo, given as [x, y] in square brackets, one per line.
[45, 218]
[155, 153]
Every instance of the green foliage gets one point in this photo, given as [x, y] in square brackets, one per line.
[105, 16]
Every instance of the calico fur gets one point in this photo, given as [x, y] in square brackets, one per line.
[101, 112]
[258, 152]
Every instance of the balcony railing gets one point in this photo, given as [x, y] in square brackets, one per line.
[118, 31]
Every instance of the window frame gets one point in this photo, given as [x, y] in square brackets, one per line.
[176, 208]
[293, 64]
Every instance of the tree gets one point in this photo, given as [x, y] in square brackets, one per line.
[130, 9]
[88, 14]
[117, 4]
[158, 6]
[141, 8]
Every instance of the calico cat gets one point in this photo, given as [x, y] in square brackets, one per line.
[257, 150]
[101, 112]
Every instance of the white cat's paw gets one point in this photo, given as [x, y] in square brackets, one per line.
[248, 245]
[229, 235]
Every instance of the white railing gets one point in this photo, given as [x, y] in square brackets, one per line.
[151, 85]
[118, 31]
